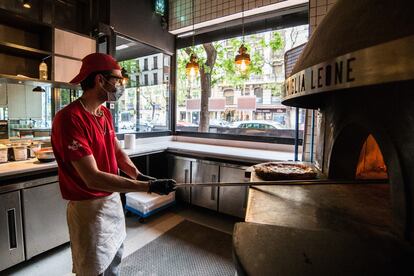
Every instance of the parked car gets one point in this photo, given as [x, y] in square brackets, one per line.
[145, 126]
[258, 124]
[126, 125]
[185, 124]
[218, 123]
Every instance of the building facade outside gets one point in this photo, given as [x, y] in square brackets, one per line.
[258, 97]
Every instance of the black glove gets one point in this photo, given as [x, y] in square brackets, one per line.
[143, 177]
[161, 186]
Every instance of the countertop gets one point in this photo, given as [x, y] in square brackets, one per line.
[32, 128]
[319, 229]
[212, 151]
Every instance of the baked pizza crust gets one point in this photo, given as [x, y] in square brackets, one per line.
[284, 171]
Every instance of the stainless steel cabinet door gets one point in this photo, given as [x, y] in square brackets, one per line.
[204, 196]
[11, 236]
[45, 218]
[233, 199]
[179, 169]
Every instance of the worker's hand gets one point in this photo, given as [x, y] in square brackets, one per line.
[143, 177]
[161, 186]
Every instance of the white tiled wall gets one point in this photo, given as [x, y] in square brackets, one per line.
[180, 11]
[317, 11]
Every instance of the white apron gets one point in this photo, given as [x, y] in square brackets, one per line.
[97, 231]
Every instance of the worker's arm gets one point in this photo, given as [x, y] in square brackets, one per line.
[102, 181]
[127, 166]
[124, 162]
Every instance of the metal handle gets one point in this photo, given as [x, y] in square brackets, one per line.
[213, 189]
[11, 221]
[246, 193]
[185, 175]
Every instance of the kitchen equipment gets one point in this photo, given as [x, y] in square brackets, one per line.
[11, 230]
[280, 182]
[144, 204]
[3, 153]
[45, 155]
[20, 152]
[33, 147]
[4, 129]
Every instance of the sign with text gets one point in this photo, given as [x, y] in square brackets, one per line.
[387, 62]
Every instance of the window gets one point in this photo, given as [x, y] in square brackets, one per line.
[155, 60]
[145, 79]
[144, 107]
[258, 92]
[145, 64]
[155, 75]
[229, 95]
[241, 104]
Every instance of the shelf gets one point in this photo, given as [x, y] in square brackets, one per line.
[20, 50]
[37, 82]
[21, 22]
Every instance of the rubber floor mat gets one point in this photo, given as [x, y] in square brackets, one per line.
[187, 249]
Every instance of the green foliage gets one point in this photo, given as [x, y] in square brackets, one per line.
[224, 71]
[132, 67]
[276, 42]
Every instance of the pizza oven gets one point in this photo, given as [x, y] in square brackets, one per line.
[359, 75]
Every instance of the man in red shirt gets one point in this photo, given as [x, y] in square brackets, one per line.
[88, 156]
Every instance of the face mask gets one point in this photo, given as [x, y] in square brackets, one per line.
[114, 96]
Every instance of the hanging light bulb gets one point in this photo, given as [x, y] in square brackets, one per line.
[125, 76]
[27, 5]
[242, 60]
[191, 67]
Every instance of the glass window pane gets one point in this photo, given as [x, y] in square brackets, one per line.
[241, 102]
[144, 107]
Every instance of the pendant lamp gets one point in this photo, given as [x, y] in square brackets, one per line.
[242, 60]
[192, 67]
[125, 76]
[27, 5]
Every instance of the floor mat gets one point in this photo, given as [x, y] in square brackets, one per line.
[187, 249]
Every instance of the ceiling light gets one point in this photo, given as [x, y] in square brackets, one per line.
[27, 5]
[192, 67]
[120, 47]
[125, 76]
[185, 34]
[242, 60]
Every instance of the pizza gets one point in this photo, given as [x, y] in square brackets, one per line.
[284, 171]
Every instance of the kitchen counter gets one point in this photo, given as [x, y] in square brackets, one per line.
[319, 229]
[145, 147]
[32, 128]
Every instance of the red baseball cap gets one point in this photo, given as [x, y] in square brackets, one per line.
[93, 63]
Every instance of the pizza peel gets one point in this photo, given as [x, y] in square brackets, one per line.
[277, 183]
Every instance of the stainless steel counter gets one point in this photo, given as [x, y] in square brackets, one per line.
[194, 149]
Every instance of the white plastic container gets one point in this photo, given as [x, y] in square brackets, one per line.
[129, 141]
[3, 154]
[20, 153]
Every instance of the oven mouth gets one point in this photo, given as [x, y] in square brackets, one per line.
[371, 163]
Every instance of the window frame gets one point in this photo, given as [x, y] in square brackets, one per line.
[217, 35]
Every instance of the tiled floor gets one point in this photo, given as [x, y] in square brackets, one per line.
[58, 261]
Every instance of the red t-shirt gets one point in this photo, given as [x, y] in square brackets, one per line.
[75, 134]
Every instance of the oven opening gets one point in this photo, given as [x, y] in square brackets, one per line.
[371, 163]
